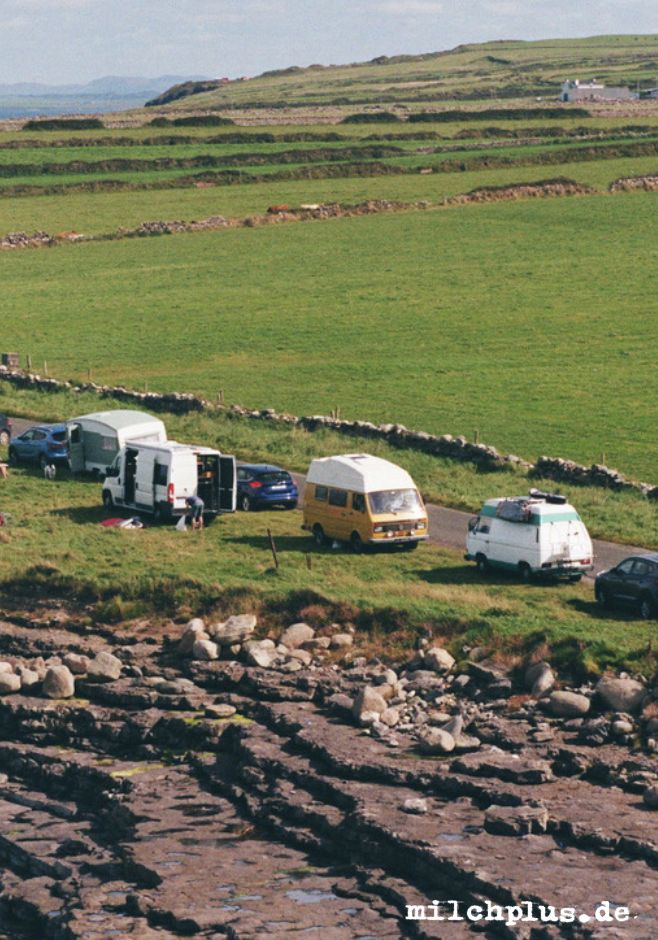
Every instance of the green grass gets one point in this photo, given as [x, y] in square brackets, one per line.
[621, 517]
[229, 565]
[483, 317]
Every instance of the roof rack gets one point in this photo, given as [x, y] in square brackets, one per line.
[557, 499]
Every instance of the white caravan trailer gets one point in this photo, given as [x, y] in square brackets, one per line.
[156, 478]
[539, 534]
[95, 439]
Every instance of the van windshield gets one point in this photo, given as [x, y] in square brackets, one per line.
[394, 501]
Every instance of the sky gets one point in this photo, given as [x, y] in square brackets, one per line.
[70, 41]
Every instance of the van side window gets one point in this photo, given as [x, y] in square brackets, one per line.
[75, 434]
[338, 497]
[159, 474]
[484, 528]
[321, 492]
[358, 502]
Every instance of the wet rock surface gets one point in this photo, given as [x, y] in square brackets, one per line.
[217, 798]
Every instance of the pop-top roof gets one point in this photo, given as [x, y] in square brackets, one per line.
[119, 419]
[360, 473]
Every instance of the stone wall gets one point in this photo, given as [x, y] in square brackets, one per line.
[397, 435]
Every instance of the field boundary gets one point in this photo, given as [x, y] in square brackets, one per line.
[458, 448]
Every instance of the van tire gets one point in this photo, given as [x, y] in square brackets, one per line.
[525, 571]
[319, 536]
[161, 513]
[13, 457]
[108, 502]
[357, 543]
[410, 546]
[481, 563]
[602, 596]
[646, 607]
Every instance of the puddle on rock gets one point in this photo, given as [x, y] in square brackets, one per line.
[310, 896]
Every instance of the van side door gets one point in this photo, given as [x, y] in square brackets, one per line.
[228, 487]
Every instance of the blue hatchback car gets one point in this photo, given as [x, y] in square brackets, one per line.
[262, 485]
[43, 444]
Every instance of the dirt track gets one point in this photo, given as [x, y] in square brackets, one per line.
[128, 813]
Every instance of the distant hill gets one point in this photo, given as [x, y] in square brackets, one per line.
[111, 85]
[501, 69]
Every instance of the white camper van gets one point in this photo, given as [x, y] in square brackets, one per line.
[538, 534]
[157, 477]
[95, 439]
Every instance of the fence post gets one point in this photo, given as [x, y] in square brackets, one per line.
[273, 548]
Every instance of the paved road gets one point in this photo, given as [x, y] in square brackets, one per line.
[448, 527]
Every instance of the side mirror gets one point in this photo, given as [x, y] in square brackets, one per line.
[111, 471]
[472, 524]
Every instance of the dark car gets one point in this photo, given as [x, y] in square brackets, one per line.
[633, 582]
[5, 430]
[262, 485]
[44, 444]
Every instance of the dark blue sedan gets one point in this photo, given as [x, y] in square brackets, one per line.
[44, 444]
[262, 485]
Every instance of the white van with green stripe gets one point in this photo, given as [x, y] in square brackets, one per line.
[538, 534]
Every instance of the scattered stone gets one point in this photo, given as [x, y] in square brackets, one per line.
[516, 820]
[416, 806]
[317, 644]
[620, 728]
[436, 741]
[303, 656]
[6, 667]
[296, 634]
[234, 630]
[368, 701]
[58, 683]
[341, 704]
[540, 679]
[292, 665]
[219, 711]
[29, 677]
[104, 667]
[438, 660]
[390, 717]
[257, 655]
[341, 640]
[194, 630]
[205, 650]
[9, 682]
[568, 704]
[175, 687]
[454, 726]
[651, 796]
[621, 695]
[77, 663]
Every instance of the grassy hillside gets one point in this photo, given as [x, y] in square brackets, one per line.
[526, 321]
[509, 69]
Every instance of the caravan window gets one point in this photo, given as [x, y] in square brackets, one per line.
[108, 443]
[358, 502]
[338, 497]
[321, 492]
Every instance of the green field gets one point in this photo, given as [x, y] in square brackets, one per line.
[228, 567]
[450, 320]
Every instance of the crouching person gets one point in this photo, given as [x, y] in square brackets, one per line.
[195, 506]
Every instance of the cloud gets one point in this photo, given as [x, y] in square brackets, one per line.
[409, 7]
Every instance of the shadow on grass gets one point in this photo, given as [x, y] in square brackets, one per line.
[86, 515]
[300, 544]
[620, 614]
[468, 574]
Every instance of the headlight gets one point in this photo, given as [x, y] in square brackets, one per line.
[379, 528]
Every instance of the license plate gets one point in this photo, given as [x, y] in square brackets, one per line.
[278, 486]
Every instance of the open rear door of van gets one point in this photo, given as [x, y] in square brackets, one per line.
[76, 447]
[227, 484]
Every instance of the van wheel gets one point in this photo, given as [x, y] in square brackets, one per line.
[481, 563]
[525, 572]
[108, 502]
[356, 543]
[160, 513]
[319, 536]
[245, 504]
[13, 457]
[602, 596]
[646, 608]
[410, 546]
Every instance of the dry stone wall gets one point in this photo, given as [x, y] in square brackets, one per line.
[444, 445]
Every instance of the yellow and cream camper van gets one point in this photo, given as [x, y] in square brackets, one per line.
[363, 500]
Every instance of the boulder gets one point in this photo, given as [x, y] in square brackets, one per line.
[6, 667]
[205, 650]
[296, 634]
[220, 711]
[438, 660]
[390, 717]
[454, 727]
[436, 741]
[234, 630]
[341, 641]
[9, 682]
[515, 820]
[568, 704]
[58, 683]
[540, 679]
[417, 806]
[194, 630]
[318, 644]
[621, 695]
[29, 677]
[104, 667]
[77, 663]
[368, 702]
[303, 656]
[651, 796]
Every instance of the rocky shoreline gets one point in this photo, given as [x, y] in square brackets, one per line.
[198, 781]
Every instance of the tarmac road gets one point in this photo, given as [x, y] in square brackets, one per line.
[448, 527]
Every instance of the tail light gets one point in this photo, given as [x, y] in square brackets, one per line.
[586, 561]
[170, 493]
[255, 484]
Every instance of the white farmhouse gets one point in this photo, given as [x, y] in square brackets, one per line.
[591, 90]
